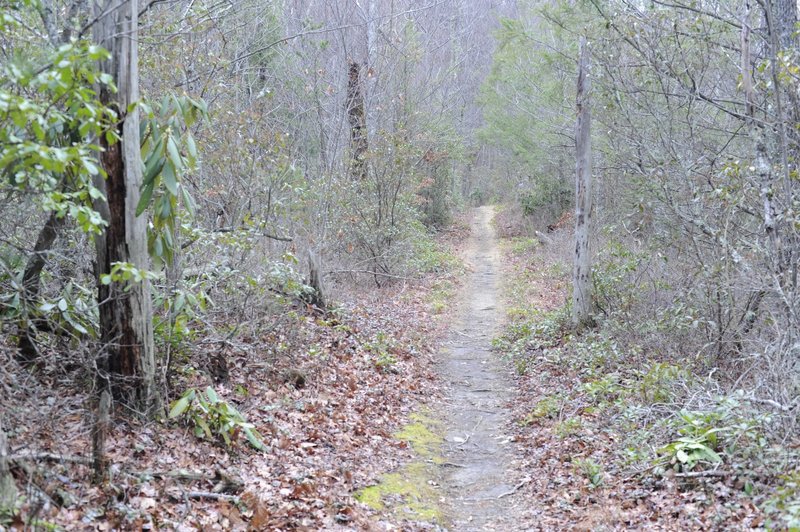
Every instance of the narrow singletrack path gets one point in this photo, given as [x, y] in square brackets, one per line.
[479, 480]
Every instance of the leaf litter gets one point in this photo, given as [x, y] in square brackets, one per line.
[328, 395]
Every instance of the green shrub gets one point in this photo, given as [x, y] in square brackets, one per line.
[547, 193]
[569, 427]
[547, 408]
[428, 256]
[614, 290]
[686, 452]
[591, 470]
[707, 436]
[656, 384]
[605, 388]
[380, 347]
[211, 416]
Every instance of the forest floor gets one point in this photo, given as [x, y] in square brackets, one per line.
[337, 396]
[404, 409]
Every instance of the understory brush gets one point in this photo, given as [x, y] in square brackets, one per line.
[633, 412]
[264, 392]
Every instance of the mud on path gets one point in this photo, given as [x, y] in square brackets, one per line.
[479, 480]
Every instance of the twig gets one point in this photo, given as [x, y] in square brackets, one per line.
[176, 474]
[699, 474]
[775, 404]
[264, 234]
[516, 488]
[450, 464]
[211, 495]
[49, 457]
[645, 470]
[370, 272]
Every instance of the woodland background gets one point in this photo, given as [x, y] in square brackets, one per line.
[295, 165]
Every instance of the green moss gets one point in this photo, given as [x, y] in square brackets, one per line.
[408, 493]
[422, 438]
[372, 496]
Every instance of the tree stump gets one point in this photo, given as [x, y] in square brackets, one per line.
[317, 297]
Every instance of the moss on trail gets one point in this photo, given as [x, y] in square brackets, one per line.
[422, 434]
[410, 493]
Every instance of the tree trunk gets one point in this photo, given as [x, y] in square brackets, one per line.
[581, 280]
[31, 284]
[127, 363]
[358, 122]
[317, 298]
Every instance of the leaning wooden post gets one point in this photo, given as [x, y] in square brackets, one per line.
[8, 488]
[581, 279]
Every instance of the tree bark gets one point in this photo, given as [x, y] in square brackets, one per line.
[358, 122]
[581, 279]
[317, 298]
[127, 362]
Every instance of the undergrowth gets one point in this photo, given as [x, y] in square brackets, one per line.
[667, 420]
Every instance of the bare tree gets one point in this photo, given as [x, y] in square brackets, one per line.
[581, 278]
[127, 363]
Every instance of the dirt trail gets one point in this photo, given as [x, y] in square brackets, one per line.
[479, 480]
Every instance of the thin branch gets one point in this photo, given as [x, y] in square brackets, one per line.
[370, 272]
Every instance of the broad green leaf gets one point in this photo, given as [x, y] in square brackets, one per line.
[144, 200]
[174, 155]
[254, 438]
[203, 425]
[188, 202]
[712, 456]
[191, 146]
[158, 247]
[179, 407]
[212, 395]
[154, 163]
[168, 175]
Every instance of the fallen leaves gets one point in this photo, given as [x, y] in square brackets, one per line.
[326, 410]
